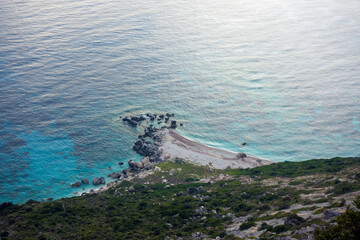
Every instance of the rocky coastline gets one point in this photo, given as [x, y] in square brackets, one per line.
[158, 142]
[146, 145]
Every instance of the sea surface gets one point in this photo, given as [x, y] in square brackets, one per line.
[281, 75]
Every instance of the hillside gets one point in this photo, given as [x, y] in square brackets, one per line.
[179, 200]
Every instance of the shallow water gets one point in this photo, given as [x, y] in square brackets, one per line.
[281, 75]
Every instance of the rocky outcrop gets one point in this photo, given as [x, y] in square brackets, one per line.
[134, 166]
[139, 165]
[145, 148]
[146, 162]
[98, 180]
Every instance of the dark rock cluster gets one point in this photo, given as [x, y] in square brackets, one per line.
[146, 145]
[161, 118]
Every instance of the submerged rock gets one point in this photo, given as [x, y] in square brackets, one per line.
[85, 181]
[77, 184]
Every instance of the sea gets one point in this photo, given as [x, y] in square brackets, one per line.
[281, 75]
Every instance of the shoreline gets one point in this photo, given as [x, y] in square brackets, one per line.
[164, 144]
[174, 145]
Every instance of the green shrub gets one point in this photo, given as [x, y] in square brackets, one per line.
[246, 225]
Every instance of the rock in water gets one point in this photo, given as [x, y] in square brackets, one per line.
[77, 184]
[98, 180]
[115, 175]
[85, 181]
[132, 164]
[130, 122]
[173, 124]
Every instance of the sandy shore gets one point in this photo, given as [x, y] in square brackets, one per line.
[174, 145]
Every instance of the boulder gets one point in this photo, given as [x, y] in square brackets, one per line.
[85, 181]
[115, 175]
[145, 161]
[77, 184]
[148, 167]
[173, 124]
[98, 180]
[172, 172]
[125, 171]
[132, 164]
[139, 165]
[241, 155]
[121, 163]
[157, 169]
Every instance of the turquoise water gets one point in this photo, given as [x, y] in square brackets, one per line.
[284, 76]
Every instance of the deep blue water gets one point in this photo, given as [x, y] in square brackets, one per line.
[282, 75]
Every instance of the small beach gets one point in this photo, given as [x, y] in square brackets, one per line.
[175, 146]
